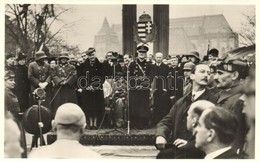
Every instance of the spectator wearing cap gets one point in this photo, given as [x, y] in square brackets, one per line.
[64, 77]
[11, 101]
[175, 122]
[10, 62]
[140, 72]
[90, 85]
[22, 84]
[215, 132]
[230, 74]
[39, 77]
[69, 123]
[187, 68]
[194, 57]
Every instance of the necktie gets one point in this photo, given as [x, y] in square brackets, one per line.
[193, 98]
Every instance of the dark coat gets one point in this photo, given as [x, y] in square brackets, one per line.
[92, 102]
[175, 121]
[111, 70]
[139, 90]
[22, 86]
[189, 151]
[67, 92]
[161, 95]
[230, 99]
[229, 154]
[39, 74]
[176, 83]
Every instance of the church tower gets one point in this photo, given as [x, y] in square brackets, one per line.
[106, 40]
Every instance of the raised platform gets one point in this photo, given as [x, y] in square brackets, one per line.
[113, 137]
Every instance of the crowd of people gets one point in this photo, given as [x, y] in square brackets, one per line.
[197, 105]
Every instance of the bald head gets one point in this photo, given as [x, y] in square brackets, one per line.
[195, 111]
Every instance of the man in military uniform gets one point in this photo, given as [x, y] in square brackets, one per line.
[139, 89]
[39, 76]
[228, 78]
[64, 77]
[11, 101]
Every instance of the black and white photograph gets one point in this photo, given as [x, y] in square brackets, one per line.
[129, 80]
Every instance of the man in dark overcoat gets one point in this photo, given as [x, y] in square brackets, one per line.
[161, 95]
[90, 84]
[39, 77]
[22, 84]
[174, 123]
[139, 89]
[64, 76]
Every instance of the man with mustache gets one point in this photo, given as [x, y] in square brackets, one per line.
[176, 119]
[229, 78]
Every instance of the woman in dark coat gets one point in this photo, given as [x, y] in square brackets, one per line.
[64, 77]
[90, 83]
[22, 84]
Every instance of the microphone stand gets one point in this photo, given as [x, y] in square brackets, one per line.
[127, 91]
[114, 129]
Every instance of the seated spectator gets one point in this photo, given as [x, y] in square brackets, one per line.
[185, 149]
[69, 123]
[215, 132]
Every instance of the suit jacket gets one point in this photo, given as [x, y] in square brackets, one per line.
[175, 121]
[229, 154]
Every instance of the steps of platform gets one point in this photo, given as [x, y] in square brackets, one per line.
[112, 137]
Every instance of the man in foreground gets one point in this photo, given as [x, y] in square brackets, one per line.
[215, 132]
[69, 123]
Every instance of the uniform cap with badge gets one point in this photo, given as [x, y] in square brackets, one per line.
[233, 61]
[142, 49]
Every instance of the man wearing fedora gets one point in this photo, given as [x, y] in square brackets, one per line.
[194, 57]
[39, 77]
[22, 85]
[64, 76]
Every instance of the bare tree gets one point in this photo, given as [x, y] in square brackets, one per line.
[247, 32]
[28, 25]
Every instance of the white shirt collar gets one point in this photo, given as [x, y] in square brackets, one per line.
[197, 93]
[216, 153]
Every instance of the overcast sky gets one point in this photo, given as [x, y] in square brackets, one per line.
[89, 18]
